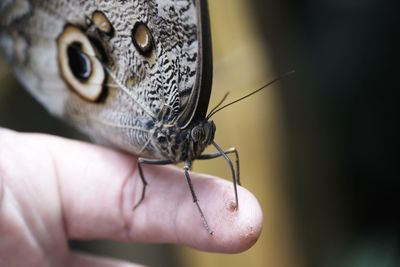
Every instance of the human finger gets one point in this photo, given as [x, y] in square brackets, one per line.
[78, 259]
[98, 188]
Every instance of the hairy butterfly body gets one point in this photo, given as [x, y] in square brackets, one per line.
[133, 74]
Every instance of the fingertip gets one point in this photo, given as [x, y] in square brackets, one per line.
[246, 223]
[234, 229]
[168, 213]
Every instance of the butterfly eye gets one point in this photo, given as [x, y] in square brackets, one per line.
[142, 39]
[79, 66]
[198, 134]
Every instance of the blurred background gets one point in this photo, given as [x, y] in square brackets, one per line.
[317, 149]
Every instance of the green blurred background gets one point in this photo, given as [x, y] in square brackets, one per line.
[317, 149]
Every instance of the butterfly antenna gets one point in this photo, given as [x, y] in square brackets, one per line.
[217, 108]
[219, 104]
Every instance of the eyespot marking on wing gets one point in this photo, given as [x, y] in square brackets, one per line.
[79, 66]
[103, 23]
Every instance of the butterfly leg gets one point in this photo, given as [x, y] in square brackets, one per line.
[147, 161]
[218, 154]
[235, 176]
[186, 168]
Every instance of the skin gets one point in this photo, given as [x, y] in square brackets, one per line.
[54, 189]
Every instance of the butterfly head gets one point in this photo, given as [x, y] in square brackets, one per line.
[187, 144]
[203, 132]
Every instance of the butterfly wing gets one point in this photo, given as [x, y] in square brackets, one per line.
[112, 68]
[196, 105]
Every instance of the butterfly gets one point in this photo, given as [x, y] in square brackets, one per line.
[135, 75]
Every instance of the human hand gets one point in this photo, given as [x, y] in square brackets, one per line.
[53, 189]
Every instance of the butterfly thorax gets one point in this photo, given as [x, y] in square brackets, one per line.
[176, 144]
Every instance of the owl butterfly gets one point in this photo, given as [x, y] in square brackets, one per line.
[131, 74]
